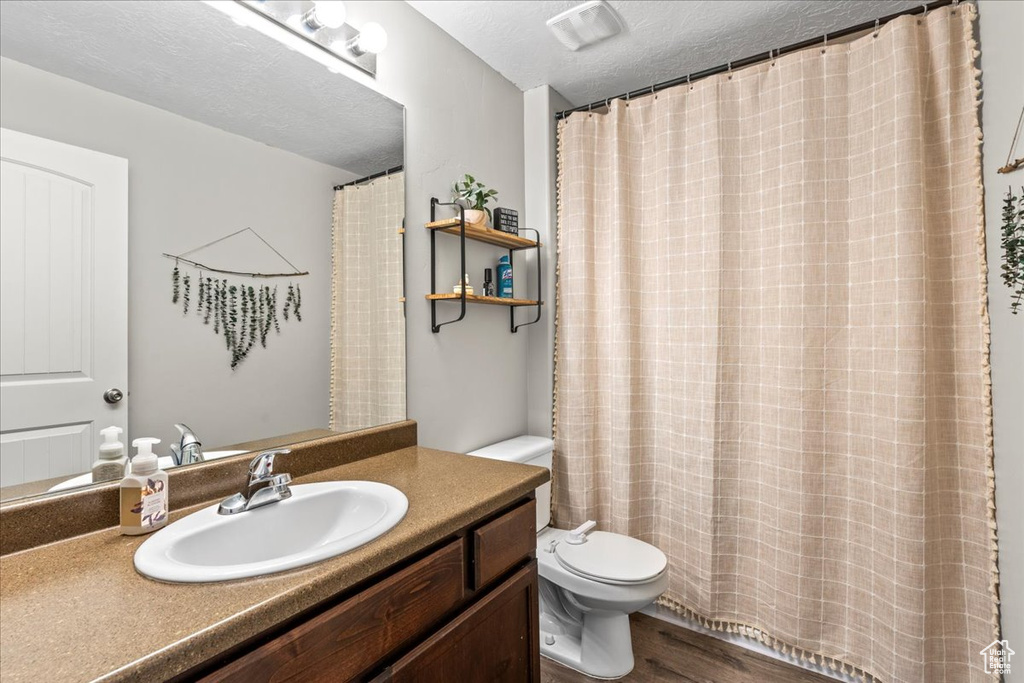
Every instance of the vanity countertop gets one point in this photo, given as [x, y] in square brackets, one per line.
[76, 610]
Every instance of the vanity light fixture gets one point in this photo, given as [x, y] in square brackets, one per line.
[314, 29]
[325, 13]
[371, 40]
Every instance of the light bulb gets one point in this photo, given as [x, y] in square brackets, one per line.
[372, 38]
[329, 13]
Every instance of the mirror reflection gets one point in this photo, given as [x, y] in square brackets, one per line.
[201, 242]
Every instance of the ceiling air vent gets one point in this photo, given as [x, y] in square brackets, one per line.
[585, 24]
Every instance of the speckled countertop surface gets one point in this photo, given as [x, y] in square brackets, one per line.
[76, 610]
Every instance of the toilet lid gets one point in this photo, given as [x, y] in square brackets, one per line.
[612, 558]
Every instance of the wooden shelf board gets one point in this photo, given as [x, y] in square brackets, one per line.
[477, 299]
[482, 234]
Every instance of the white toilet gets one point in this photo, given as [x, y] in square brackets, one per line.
[590, 581]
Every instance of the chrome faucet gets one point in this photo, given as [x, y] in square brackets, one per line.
[189, 449]
[262, 486]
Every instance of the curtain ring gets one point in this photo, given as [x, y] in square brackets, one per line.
[875, 34]
[824, 43]
[729, 66]
[606, 102]
[652, 89]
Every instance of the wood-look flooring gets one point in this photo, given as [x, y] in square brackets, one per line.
[666, 652]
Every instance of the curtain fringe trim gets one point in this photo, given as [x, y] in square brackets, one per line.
[335, 276]
[761, 636]
[559, 148]
[972, 43]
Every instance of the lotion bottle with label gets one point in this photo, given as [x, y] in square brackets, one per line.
[111, 464]
[144, 492]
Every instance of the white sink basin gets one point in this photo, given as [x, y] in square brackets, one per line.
[318, 521]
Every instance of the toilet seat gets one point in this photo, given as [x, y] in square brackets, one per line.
[612, 559]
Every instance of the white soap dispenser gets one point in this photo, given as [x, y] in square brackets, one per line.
[111, 463]
[144, 506]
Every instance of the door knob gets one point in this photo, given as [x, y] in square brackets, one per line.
[113, 396]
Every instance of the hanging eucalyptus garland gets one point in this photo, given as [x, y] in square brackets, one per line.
[1013, 247]
[293, 302]
[242, 314]
[187, 282]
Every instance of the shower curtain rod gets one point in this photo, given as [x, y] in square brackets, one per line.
[771, 54]
[394, 169]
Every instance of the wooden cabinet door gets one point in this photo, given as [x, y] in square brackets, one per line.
[495, 640]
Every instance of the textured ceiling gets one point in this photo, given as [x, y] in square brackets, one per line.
[661, 41]
[187, 58]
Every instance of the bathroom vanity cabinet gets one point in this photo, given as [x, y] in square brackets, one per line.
[464, 610]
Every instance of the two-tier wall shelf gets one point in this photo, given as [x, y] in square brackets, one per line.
[463, 230]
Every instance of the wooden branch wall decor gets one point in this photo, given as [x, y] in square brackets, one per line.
[242, 313]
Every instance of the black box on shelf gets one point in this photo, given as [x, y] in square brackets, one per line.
[506, 220]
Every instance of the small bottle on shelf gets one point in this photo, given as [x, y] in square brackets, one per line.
[488, 283]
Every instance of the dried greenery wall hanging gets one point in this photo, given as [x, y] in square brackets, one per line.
[242, 313]
[1013, 247]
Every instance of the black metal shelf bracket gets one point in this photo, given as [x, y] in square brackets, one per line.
[540, 290]
[434, 203]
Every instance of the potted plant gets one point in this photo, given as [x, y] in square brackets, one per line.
[474, 196]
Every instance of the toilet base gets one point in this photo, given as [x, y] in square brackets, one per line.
[600, 646]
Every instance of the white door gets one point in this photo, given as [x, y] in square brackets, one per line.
[63, 304]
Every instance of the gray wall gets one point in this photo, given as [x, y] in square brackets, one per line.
[190, 183]
[1002, 63]
[466, 385]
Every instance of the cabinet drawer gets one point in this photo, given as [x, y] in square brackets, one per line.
[495, 640]
[503, 543]
[353, 636]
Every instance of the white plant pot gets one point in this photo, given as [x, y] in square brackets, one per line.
[476, 217]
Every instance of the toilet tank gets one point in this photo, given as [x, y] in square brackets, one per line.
[528, 450]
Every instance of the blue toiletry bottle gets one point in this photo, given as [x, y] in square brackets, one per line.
[504, 278]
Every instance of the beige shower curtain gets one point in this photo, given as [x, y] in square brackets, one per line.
[367, 317]
[772, 348]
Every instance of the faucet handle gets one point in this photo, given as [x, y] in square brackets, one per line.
[262, 466]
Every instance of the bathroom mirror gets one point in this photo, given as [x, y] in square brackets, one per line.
[173, 238]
